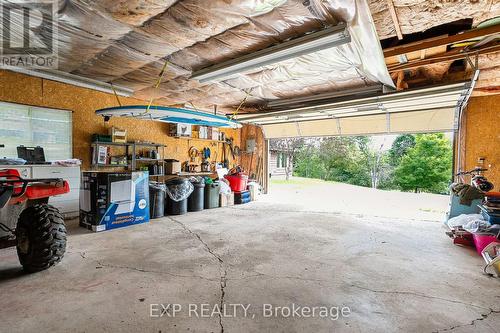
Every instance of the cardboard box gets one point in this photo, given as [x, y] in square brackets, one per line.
[118, 135]
[226, 199]
[215, 134]
[180, 130]
[172, 167]
[110, 200]
[203, 132]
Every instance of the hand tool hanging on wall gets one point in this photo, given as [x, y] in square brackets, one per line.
[229, 142]
[206, 153]
[250, 167]
[193, 153]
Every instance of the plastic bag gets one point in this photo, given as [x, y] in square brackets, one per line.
[12, 161]
[476, 226]
[463, 219]
[179, 192]
[158, 186]
[197, 179]
[224, 188]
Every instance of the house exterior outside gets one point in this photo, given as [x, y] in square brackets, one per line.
[278, 162]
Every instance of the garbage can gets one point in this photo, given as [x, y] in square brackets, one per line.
[196, 199]
[211, 195]
[156, 200]
[178, 191]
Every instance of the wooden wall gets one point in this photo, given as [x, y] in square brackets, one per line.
[250, 161]
[23, 89]
[482, 135]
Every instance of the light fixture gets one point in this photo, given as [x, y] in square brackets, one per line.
[330, 37]
[305, 100]
[75, 80]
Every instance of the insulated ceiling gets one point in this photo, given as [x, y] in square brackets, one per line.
[128, 42]
[418, 110]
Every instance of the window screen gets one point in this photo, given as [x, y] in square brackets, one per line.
[32, 126]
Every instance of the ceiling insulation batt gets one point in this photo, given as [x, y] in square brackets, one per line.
[128, 42]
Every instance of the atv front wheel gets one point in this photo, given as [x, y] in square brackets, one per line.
[41, 237]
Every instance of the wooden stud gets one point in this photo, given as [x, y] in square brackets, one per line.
[395, 19]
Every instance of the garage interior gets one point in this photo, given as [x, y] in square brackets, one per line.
[151, 102]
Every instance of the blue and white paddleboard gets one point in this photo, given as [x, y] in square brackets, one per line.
[169, 115]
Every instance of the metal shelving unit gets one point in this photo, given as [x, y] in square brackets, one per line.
[131, 150]
[158, 161]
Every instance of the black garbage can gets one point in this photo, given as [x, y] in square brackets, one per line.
[211, 195]
[156, 200]
[178, 191]
[195, 200]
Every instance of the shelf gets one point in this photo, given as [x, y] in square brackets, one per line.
[142, 144]
[148, 160]
[181, 174]
[131, 148]
[147, 144]
[111, 165]
[111, 144]
[196, 139]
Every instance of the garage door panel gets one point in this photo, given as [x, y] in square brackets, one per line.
[318, 127]
[364, 125]
[285, 130]
[420, 110]
[435, 120]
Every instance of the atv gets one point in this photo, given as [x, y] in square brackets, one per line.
[37, 229]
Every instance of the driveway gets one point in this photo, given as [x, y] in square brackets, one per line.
[304, 194]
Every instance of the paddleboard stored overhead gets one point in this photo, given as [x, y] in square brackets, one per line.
[168, 115]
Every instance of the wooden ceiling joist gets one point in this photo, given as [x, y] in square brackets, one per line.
[395, 19]
[441, 40]
[448, 56]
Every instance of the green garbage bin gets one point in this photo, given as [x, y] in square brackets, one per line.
[211, 195]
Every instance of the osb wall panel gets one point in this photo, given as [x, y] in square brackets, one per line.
[23, 89]
[250, 161]
[482, 135]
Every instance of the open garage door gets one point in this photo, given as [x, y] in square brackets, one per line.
[418, 110]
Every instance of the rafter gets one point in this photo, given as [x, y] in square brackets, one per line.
[439, 41]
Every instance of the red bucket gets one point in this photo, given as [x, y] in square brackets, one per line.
[237, 182]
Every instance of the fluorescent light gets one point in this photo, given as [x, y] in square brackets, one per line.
[73, 80]
[324, 96]
[330, 37]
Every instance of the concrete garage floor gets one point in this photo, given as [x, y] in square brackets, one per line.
[392, 274]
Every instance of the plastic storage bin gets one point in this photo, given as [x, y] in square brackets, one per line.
[211, 195]
[482, 240]
[178, 191]
[237, 182]
[196, 199]
[456, 208]
[493, 218]
[156, 200]
[242, 197]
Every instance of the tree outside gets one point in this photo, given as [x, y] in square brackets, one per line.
[420, 162]
[427, 166]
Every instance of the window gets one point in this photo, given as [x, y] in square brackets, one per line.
[32, 126]
[281, 160]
